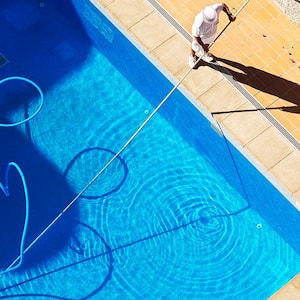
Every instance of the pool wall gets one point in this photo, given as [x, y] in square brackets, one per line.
[258, 191]
[24, 26]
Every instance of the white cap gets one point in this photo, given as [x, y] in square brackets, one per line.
[210, 15]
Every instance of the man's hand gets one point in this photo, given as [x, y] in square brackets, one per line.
[226, 9]
[205, 47]
[231, 17]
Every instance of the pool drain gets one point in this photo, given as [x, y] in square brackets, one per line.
[3, 60]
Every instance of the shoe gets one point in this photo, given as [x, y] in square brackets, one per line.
[207, 57]
[192, 60]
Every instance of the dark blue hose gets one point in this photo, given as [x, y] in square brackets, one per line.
[17, 263]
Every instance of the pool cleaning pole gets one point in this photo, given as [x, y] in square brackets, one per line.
[118, 153]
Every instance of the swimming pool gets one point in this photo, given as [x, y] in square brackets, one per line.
[179, 214]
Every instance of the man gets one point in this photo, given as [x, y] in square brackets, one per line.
[204, 31]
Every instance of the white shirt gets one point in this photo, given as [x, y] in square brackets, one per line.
[204, 30]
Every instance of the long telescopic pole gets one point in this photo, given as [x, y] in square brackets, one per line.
[115, 156]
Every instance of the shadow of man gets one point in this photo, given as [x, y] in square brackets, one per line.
[262, 81]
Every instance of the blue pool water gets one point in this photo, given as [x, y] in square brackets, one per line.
[180, 214]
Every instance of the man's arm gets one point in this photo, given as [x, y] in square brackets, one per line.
[204, 46]
[226, 9]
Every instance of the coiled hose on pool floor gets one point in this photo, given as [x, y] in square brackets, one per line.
[5, 187]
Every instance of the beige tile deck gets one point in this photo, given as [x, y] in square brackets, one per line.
[156, 35]
[266, 45]
[263, 38]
